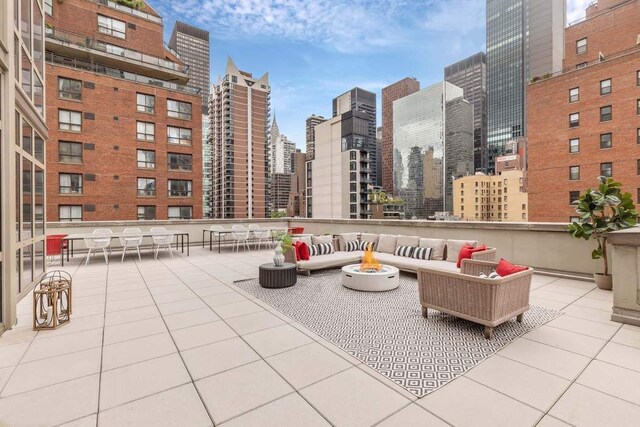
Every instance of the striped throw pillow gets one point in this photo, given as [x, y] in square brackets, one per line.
[363, 246]
[405, 251]
[352, 246]
[421, 253]
[321, 249]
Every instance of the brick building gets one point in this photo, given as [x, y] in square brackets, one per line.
[585, 121]
[125, 132]
[391, 93]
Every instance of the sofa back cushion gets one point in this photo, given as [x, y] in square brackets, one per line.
[387, 243]
[454, 246]
[346, 237]
[369, 237]
[306, 239]
[437, 247]
[408, 241]
[316, 240]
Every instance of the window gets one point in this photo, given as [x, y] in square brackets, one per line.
[352, 155]
[353, 198]
[70, 212]
[181, 162]
[353, 176]
[178, 136]
[573, 196]
[146, 187]
[353, 208]
[574, 94]
[638, 167]
[48, 7]
[70, 183]
[574, 173]
[605, 87]
[178, 109]
[69, 120]
[69, 89]
[180, 188]
[112, 27]
[146, 159]
[605, 140]
[574, 145]
[146, 131]
[581, 65]
[606, 113]
[69, 152]
[574, 120]
[145, 103]
[638, 78]
[146, 212]
[638, 136]
[606, 169]
[353, 187]
[581, 46]
[638, 107]
[180, 212]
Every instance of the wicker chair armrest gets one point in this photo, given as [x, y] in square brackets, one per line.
[487, 255]
[474, 267]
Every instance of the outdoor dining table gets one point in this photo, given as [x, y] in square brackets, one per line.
[180, 239]
[222, 233]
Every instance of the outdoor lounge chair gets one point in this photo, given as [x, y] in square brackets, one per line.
[488, 302]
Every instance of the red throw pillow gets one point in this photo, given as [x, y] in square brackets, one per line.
[505, 268]
[303, 251]
[296, 249]
[466, 252]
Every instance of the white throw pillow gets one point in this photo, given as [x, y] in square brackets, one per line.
[437, 248]
[387, 243]
[316, 240]
[454, 246]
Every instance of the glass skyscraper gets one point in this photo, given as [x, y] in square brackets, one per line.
[433, 145]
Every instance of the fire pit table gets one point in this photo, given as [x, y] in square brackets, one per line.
[370, 280]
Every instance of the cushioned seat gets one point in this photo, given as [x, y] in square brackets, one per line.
[413, 264]
[336, 259]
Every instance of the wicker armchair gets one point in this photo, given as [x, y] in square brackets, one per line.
[488, 302]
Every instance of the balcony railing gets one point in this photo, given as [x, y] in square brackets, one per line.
[116, 73]
[112, 50]
[130, 11]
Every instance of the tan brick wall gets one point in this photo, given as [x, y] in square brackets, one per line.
[107, 132]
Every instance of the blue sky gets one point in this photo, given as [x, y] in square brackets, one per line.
[316, 50]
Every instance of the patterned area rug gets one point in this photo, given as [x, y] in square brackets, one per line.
[386, 330]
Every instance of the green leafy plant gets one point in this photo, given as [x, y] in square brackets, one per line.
[133, 4]
[600, 211]
[277, 214]
[286, 242]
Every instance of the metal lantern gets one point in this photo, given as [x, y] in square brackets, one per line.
[52, 301]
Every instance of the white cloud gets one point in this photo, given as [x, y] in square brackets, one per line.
[459, 16]
[575, 9]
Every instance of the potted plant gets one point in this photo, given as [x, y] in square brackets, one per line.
[284, 244]
[600, 211]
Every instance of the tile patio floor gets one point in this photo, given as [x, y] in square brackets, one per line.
[173, 342]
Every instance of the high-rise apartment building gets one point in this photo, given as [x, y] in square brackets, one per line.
[379, 159]
[297, 196]
[338, 178]
[311, 123]
[524, 40]
[358, 99]
[23, 133]
[433, 145]
[585, 121]
[239, 110]
[470, 74]
[125, 133]
[192, 46]
[391, 93]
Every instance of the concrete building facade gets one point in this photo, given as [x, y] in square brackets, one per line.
[297, 197]
[310, 124]
[23, 133]
[585, 122]
[391, 93]
[239, 113]
[470, 74]
[524, 40]
[338, 181]
[125, 133]
[432, 145]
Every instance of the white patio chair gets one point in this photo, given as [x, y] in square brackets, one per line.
[100, 240]
[161, 238]
[131, 238]
[260, 234]
[240, 234]
[216, 232]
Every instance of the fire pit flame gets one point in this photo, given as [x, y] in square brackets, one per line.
[369, 262]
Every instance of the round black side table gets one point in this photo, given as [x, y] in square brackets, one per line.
[277, 277]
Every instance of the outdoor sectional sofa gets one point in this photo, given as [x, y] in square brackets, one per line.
[444, 253]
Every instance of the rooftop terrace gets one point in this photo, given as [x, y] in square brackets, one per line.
[175, 342]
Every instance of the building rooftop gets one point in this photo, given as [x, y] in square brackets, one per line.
[174, 341]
